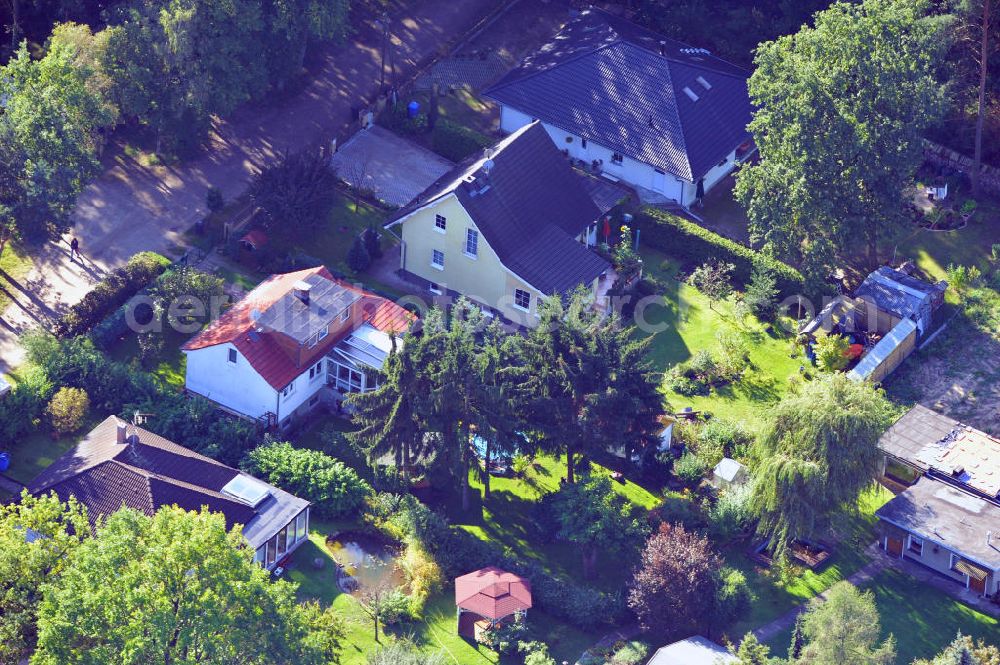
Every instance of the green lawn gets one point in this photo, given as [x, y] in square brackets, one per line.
[692, 326]
[435, 633]
[922, 619]
[776, 594]
[933, 251]
[332, 244]
[15, 264]
[33, 453]
[170, 363]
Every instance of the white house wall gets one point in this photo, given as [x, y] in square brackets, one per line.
[630, 170]
[305, 388]
[237, 387]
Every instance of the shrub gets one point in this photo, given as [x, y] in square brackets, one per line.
[667, 232]
[633, 652]
[334, 489]
[689, 468]
[678, 381]
[424, 574]
[395, 607]
[831, 352]
[373, 243]
[720, 438]
[456, 142]
[732, 596]
[535, 653]
[734, 355]
[358, 258]
[22, 408]
[214, 200]
[68, 409]
[703, 364]
[731, 514]
[397, 119]
[505, 638]
[761, 294]
[110, 293]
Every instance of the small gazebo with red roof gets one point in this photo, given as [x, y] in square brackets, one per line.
[488, 596]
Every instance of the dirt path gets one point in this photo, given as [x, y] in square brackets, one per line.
[133, 207]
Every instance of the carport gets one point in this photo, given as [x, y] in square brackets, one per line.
[393, 169]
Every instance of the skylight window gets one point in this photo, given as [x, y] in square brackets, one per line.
[690, 93]
[703, 83]
[248, 490]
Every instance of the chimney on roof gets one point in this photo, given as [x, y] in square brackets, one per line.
[122, 432]
[301, 291]
[663, 47]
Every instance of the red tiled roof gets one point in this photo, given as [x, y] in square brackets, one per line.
[492, 593]
[264, 352]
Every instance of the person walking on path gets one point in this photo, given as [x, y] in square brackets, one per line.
[74, 249]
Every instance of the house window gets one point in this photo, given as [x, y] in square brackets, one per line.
[288, 390]
[471, 243]
[260, 554]
[300, 527]
[316, 370]
[437, 259]
[434, 288]
[583, 143]
[723, 162]
[283, 541]
[916, 546]
[440, 223]
[522, 299]
[270, 550]
[617, 158]
[346, 314]
[232, 356]
[323, 332]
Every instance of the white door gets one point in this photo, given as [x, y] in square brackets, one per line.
[659, 183]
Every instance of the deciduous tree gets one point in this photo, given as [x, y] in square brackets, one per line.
[26, 563]
[295, 195]
[673, 592]
[845, 630]
[817, 454]
[841, 109]
[175, 587]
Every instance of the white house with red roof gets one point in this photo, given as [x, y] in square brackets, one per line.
[295, 340]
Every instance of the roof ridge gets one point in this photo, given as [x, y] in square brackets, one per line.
[578, 56]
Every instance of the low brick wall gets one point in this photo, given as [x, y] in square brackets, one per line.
[989, 178]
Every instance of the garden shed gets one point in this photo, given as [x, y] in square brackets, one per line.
[887, 355]
[899, 296]
[488, 596]
[695, 650]
[728, 472]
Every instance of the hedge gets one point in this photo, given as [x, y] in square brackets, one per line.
[111, 293]
[455, 142]
[695, 244]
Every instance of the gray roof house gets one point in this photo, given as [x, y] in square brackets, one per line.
[948, 519]
[669, 118]
[118, 464]
[946, 529]
[506, 228]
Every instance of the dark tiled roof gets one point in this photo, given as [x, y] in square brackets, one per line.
[622, 86]
[949, 516]
[148, 472]
[263, 351]
[896, 292]
[531, 212]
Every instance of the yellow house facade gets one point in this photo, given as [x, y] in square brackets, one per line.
[506, 230]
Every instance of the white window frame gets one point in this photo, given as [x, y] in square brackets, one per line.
[346, 314]
[232, 356]
[315, 371]
[523, 308]
[434, 288]
[288, 390]
[323, 332]
[440, 223]
[434, 255]
[617, 158]
[913, 540]
[473, 235]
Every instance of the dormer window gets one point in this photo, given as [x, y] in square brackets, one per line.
[346, 314]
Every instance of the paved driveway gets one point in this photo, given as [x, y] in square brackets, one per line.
[393, 168]
[132, 207]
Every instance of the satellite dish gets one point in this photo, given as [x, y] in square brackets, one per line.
[255, 315]
[488, 166]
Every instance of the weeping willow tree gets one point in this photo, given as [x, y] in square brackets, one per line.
[817, 455]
